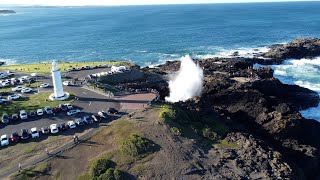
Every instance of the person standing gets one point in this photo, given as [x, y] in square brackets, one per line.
[47, 151]
[20, 167]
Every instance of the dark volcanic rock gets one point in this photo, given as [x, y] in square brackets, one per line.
[2, 63]
[7, 12]
[299, 48]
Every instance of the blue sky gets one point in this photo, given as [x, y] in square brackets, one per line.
[124, 2]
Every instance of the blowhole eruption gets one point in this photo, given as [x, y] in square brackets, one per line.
[187, 82]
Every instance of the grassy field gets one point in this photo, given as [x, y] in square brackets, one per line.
[44, 68]
[31, 103]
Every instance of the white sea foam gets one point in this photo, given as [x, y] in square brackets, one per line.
[8, 61]
[280, 72]
[302, 62]
[312, 86]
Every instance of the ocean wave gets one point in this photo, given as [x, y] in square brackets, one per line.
[280, 72]
[302, 62]
[8, 61]
[308, 85]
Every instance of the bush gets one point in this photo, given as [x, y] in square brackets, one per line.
[176, 131]
[167, 112]
[100, 167]
[208, 133]
[135, 145]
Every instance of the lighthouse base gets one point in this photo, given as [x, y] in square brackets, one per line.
[61, 98]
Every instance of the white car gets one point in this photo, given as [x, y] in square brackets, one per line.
[34, 132]
[54, 128]
[23, 115]
[34, 74]
[39, 112]
[69, 106]
[48, 110]
[66, 83]
[73, 111]
[26, 90]
[18, 88]
[14, 97]
[4, 140]
[45, 85]
[71, 124]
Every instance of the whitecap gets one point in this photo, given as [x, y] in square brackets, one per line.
[280, 72]
[308, 85]
[8, 61]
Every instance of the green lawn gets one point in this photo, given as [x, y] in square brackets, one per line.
[43, 68]
[31, 103]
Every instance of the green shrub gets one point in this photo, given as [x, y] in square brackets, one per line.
[100, 166]
[208, 133]
[167, 112]
[136, 145]
[176, 131]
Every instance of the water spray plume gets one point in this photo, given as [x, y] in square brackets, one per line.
[187, 82]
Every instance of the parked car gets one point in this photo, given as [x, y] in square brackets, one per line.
[34, 132]
[102, 114]
[32, 113]
[73, 112]
[113, 111]
[4, 140]
[63, 107]
[17, 88]
[54, 128]
[48, 110]
[69, 106]
[39, 112]
[45, 85]
[56, 109]
[5, 118]
[45, 130]
[23, 115]
[71, 125]
[96, 118]
[67, 83]
[26, 90]
[80, 122]
[4, 93]
[15, 137]
[88, 120]
[15, 117]
[13, 97]
[24, 134]
[3, 101]
[62, 126]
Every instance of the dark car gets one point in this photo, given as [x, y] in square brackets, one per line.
[88, 120]
[24, 134]
[62, 126]
[56, 109]
[113, 111]
[63, 107]
[15, 117]
[45, 130]
[15, 137]
[80, 122]
[4, 93]
[32, 113]
[5, 119]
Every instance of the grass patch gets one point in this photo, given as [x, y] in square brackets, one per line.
[176, 131]
[137, 146]
[32, 172]
[32, 102]
[43, 68]
[226, 144]
[29, 148]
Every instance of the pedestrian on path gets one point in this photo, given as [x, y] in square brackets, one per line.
[74, 138]
[47, 151]
[20, 167]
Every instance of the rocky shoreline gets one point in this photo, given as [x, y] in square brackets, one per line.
[5, 11]
[258, 108]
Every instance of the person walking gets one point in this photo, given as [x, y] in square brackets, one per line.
[47, 151]
[74, 138]
[20, 167]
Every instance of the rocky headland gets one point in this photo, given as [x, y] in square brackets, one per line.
[4, 11]
[261, 112]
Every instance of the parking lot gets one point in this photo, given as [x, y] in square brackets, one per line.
[87, 101]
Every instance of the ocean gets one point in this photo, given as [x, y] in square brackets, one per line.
[151, 35]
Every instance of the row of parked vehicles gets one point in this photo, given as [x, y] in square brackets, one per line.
[15, 137]
[23, 115]
[88, 67]
[34, 132]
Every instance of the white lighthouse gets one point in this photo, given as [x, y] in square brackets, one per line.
[58, 93]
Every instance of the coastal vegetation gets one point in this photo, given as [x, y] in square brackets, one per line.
[44, 68]
[32, 102]
[32, 172]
